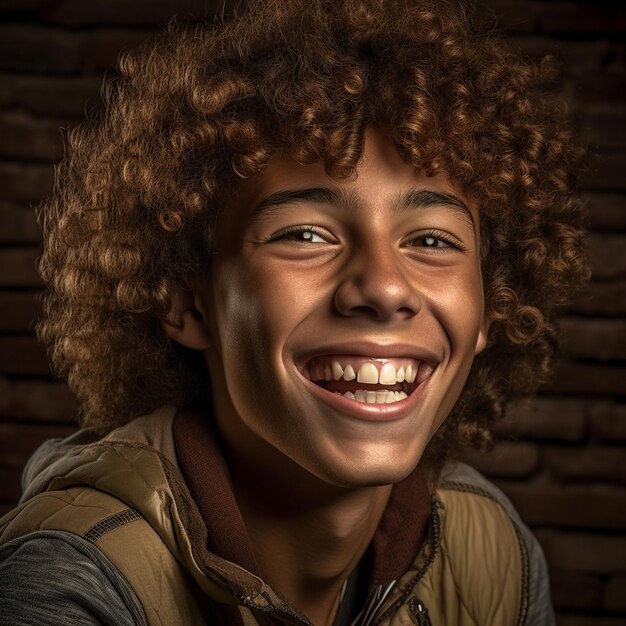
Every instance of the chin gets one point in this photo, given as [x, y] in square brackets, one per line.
[385, 470]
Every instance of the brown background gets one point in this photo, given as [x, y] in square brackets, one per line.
[563, 456]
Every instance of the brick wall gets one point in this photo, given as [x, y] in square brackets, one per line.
[562, 458]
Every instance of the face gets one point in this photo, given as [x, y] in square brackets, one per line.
[344, 315]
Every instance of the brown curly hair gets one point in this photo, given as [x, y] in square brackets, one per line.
[132, 216]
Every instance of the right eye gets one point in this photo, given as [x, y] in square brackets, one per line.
[303, 235]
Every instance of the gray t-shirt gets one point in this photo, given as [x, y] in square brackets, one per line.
[56, 578]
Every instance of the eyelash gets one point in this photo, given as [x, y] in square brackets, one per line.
[298, 230]
[440, 235]
[450, 241]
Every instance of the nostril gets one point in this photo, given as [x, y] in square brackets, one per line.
[406, 313]
[384, 314]
[377, 298]
[364, 310]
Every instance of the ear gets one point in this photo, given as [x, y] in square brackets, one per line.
[185, 322]
[483, 334]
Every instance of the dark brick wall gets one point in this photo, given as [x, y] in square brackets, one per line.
[562, 458]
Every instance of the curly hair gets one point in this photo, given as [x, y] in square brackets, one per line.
[132, 216]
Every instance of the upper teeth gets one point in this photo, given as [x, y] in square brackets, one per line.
[348, 373]
[368, 373]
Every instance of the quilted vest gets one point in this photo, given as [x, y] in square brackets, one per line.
[116, 493]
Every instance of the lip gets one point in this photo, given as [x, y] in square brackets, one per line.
[365, 411]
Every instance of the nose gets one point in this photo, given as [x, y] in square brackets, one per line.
[375, 286]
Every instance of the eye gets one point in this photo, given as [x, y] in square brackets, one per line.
[433, 240]
[303, 235]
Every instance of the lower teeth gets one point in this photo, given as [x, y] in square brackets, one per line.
[374, 397]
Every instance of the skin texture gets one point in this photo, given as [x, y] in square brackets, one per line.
[131, 221]
[274, 302]
[369, 272]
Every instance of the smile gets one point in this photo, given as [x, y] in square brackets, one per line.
[368, 380]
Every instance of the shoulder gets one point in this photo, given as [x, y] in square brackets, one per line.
[119, 534]
[474, 505]
[487, 546]
[55, 577]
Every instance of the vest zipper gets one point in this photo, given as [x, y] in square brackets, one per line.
[272, 609]
[419, 612]
[371, 614]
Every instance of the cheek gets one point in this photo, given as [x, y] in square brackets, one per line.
[239, 307]
[460, 314]
[267, 299]
[461, 311]
[254, 314]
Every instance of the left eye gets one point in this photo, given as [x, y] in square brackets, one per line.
[309, 236]
[434, 242]
[431, 241]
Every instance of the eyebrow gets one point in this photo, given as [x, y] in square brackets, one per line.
[318, 195]
[413, 199]
[424, 198]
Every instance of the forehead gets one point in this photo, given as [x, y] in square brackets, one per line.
[382, 177]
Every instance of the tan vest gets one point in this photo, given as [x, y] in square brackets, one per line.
[115, 494]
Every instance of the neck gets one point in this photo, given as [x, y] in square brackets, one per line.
[307, 535]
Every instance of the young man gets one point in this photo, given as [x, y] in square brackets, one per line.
[303, 258]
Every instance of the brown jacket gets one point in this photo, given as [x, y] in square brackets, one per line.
[477, 566]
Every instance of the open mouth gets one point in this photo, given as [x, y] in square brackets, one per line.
[369, 380]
